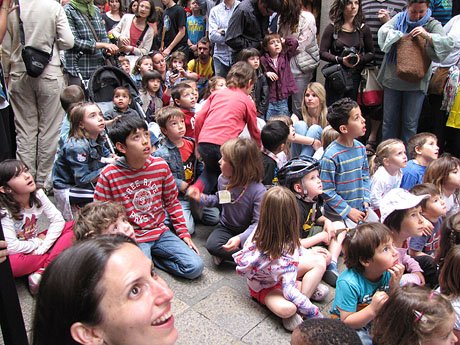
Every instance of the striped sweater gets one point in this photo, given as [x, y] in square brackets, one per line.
[145, 194]
[345, 177]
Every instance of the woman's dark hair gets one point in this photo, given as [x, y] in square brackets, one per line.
[70, 289]
[338, 19]
[10, 168]
[130, 7]
[152, 18]
[246, 53]
[289, 14]
[410, 2]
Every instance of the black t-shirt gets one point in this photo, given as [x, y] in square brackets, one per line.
[308, 215]
[270, 170]
[174, 17]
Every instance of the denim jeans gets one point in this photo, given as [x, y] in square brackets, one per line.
[172, 254]
[314, 131]
[401, 110]
[277, 108]
[220, 69]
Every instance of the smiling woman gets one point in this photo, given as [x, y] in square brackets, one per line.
[111, 295]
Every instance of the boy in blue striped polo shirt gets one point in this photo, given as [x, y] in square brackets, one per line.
[344, 167]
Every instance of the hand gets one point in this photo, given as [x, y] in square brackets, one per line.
[41, 236]
[191, 245]
[173, 78]
[420, 31]
[183, 186]
[356, 215]
[316, 144]
[366, 209]
[182, 72]
[124, 40]
[272, 76]
[320, 251]
[166, 52]
[194, 193]
[329, 228]
[378, 300]
[384, 16]
[3, 252]
[126, 49]
[346, 58]
[428, 227]
[232, 244]
[396, 272]
[111, 48]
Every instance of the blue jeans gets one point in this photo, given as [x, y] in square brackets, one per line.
[364, 336]
[314, 131]
[173, 255]
[401, 110]
[210, 216]
[220, 69]
[277, 108]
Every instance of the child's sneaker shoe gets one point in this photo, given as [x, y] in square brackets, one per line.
[34, 281]
[217, 260]
[331, 275]
[292, 322]
[320, 293]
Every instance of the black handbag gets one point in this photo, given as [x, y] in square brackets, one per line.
[337, 78]
[34, 59]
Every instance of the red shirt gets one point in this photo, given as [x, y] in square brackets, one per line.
[189, 123]
[134, 34]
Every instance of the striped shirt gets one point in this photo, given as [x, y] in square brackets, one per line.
[345, 177]
[146, 194]
[371, 12]
[442, 10]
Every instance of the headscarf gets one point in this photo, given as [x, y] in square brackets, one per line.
[84, 7]
[403, 23]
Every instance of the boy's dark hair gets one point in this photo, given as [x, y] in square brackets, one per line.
[339, 112]
[204, 40]
[425, 188]
[149, 76]
[177, 91]
[71, 94]
[122, 88]
[124, 126]
[268, 38]
[274, 134]
[246, 53]
[165, 113]
[325, 332]
[361, 242]
[418, 140]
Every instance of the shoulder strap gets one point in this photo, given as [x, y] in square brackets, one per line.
[138, 43]
[90, 26]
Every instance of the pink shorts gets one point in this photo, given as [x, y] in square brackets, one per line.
[260, 296]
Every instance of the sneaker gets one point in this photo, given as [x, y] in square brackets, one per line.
[320, 293]
[292, 322]
[330, 276]
[34, 281]
[217, 260]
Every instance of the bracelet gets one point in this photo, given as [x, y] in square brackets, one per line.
[336, 59]
[5, 8]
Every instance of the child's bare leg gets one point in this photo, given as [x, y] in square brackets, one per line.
[311, 269]
[279, 305]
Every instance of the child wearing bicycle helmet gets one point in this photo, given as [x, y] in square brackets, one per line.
[301, 176]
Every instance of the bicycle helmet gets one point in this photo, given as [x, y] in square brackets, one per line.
[295, 169]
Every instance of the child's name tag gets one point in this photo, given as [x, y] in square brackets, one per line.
[225, 197]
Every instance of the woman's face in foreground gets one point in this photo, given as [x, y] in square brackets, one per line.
[136, 303]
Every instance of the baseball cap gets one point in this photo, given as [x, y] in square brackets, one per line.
[399, 199]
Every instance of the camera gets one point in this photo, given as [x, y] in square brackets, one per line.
[353, 59]
[175, 71]
[222, 32]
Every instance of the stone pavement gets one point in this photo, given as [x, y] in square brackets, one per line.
[215, 309]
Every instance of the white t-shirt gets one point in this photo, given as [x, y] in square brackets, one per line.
[451, 204]
[381, 183]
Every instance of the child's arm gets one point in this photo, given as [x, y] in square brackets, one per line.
[359, 319]
[79, 156]
[56, 223]
[396, 272]
[14, 244]
[325, 236]
[250, 118]
[180, 34]
[417, 244]
[291, 46]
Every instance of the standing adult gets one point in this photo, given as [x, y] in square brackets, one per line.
[112, 18]
[90, 38]
[348, 42]
[174, 27]
[219, 17]
[35, 101]
[296, 22]
[403, 100]
[249, 24]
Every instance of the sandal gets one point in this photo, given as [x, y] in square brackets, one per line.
[371, 146]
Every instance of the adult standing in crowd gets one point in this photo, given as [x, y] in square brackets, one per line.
[90, 38]
[134, 34]
[403, 100]
[112, 18]
[348, 42]
[249, 24]
[35, 101]
[219, 17]
[174, 27]
[202, 65]
[296, 22]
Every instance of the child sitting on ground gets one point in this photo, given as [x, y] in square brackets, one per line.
[301, 176]
[327, 137]
[272, 260]
[344, 168]
[152, 95]
[277, 68]
[402, 213]
[145, 187]
[274, 136]
[143, 64]
[125, 64]
[450, 236]
[176, 73]
[121, 101]
[372, 271]
[183, 97]
[100, 218]
[422, 248]
[71, 94]
[423, 149]
[324, 332]
[179, 152]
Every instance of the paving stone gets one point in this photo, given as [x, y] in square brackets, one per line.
[269, 331]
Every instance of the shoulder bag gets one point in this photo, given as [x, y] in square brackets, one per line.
[412, 61]
[308, 59]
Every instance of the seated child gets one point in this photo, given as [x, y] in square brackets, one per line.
[402, 213]
[183, 97]
[327, 137]
[273, 135]
[301, 176]
[152, 95]
[449, 237]
[324, 332]
[125, 64]
[143, 64]
[145, 187]
[121, 101]
[372, 271]
[71, 94]
[272, 260]
[423, 149]
[100, 218]
[179, 152]
[82, 157]
[176, 73]
[423, 248]
[344, 168]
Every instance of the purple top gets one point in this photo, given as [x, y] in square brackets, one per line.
[411, 265]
